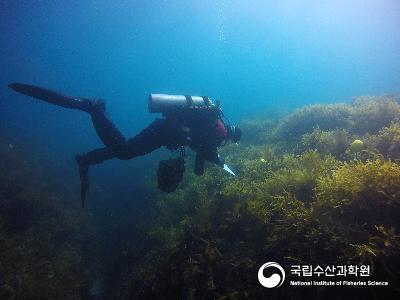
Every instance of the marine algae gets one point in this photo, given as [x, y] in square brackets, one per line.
[301, 197]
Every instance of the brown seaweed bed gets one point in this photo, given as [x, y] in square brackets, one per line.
[318, 186]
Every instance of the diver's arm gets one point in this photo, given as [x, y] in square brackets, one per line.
[215, 158]
[212, 157]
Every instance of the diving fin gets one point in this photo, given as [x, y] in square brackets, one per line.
[84, 178]
[227, 169]
[51, 96]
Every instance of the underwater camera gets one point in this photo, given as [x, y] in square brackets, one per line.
[170, 173]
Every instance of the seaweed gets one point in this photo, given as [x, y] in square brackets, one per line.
[386, 141]
[42, 246]
[366, 187]
[365, 115]
[306, 193]
[370, 114]
[305, 120]
[319, 186]
[257, 131]
[360, 201]
[333, 142]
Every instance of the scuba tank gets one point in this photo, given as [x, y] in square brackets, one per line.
[193, 111]
[163, 103]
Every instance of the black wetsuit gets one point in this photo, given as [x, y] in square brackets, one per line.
[197, 129]
[201, 129]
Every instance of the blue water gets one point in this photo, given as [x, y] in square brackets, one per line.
[252, 55]
[249, 54]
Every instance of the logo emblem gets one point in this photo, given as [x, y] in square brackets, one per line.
[275, 280]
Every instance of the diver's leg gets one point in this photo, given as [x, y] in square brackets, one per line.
[84, 161]
[106, 130]
[94, 157]
[53, 97]
[149, 139]
[111, 137]
[159, 133]
[146, 141]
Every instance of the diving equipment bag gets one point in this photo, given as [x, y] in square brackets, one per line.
[170, 173]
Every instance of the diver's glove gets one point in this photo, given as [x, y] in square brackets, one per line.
[84, 177]
[221, 162]
[223, 165]
[213, 157]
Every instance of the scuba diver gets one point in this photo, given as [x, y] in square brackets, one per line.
[187, 121]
